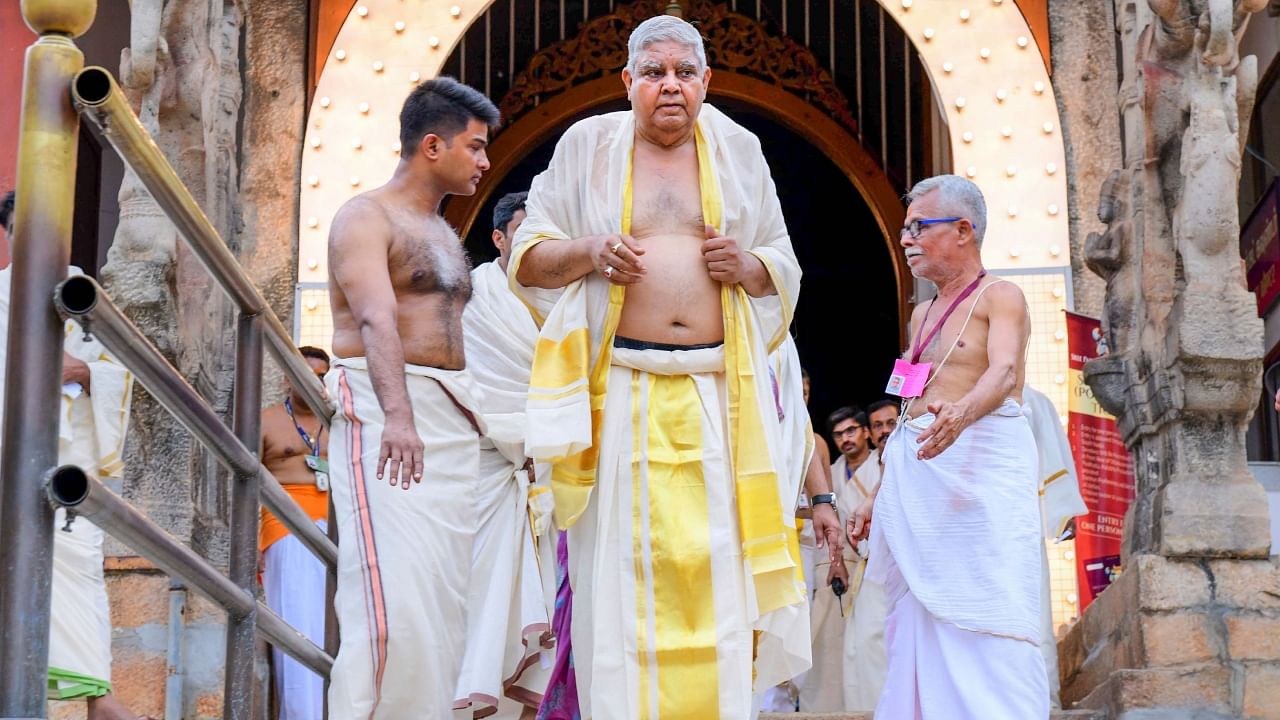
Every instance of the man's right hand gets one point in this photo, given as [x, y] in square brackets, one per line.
[859, 524]
[402, 450]
[617, 257]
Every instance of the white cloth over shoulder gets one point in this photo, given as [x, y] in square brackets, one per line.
[1060, 498]
[964, 528]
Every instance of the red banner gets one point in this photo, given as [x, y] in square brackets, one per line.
[1102, 464]
[1260, 247]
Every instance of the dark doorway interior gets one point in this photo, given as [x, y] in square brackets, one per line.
[846, 324]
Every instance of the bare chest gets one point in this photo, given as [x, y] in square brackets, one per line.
[430, 259]
[960, 342]
[666, 199]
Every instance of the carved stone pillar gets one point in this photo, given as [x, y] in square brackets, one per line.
[1178, 631]
[230, 120]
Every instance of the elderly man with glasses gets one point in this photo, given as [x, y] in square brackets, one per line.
[955, 535]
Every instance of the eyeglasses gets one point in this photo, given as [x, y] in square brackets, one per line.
[847, 431]
[915, 226]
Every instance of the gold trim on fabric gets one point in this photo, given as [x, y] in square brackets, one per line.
[573, 477]
[781, 288]
[514, 267]
[638, 531]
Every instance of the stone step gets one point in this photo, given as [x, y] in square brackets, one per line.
[1056, 715]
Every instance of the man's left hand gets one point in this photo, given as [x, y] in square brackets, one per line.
[950, 419]
[726, 261]
[826, 530]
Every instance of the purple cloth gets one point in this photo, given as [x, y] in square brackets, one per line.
[560, 701]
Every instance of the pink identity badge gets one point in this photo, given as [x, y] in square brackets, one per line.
[908, 379]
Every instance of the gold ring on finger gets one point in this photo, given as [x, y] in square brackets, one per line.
[614, 249]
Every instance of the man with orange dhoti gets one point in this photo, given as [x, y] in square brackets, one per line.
[295, 448]
[658, 412]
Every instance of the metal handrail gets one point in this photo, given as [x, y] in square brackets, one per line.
[69, 487]
[82, 299]
[32, 484]
[100, 101]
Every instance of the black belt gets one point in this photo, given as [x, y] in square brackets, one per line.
[632, 344]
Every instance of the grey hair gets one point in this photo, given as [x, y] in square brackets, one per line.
[960, 196]
[665, 28]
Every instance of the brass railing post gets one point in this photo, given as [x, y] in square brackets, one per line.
[47, 143]
[239, 700]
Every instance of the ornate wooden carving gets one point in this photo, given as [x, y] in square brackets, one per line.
[734, 42]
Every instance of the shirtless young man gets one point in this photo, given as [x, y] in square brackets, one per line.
[663, 619]
[955, 535]
[405, 446]
[295, 448]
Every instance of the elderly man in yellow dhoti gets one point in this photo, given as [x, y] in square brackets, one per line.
[94, 415]
[1060, 502]
[510, 600]
[658, 412]
[955, 535]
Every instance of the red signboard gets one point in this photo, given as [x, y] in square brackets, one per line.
[1103, 466]
[1260, 248]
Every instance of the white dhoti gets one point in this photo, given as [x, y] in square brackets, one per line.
[508, 607]
[79, 617]
[293, 581]
[828, 616]
[506, 611]
[404, 555]
[661, 618]
[91, 435]
[864, 649]
[832, 618]
[956, 542]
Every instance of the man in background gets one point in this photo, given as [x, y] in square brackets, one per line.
[93, 420]
[864, 652]
[510, 600]
[295, 449]
[829, 613]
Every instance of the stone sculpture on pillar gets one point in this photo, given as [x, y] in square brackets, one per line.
[1183, 632]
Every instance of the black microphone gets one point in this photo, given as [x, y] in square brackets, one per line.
[837, 587]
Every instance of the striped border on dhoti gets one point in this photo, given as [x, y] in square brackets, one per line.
[367, 546]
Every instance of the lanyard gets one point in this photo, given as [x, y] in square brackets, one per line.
[313, 446]
[920, 345]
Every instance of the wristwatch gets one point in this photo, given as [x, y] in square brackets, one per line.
[828, 498]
